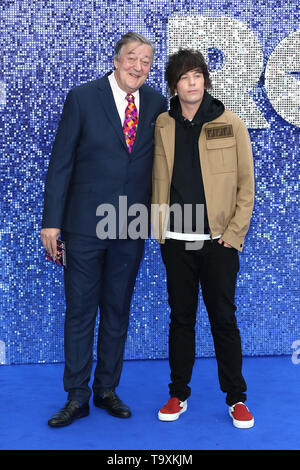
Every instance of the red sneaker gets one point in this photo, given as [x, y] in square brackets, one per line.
[172, 410]
[242, 418]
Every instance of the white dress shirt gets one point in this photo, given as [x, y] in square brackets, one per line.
[120, 97]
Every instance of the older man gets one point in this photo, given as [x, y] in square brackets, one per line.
[103, 150]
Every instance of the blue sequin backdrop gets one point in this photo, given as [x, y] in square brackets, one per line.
[48, 47]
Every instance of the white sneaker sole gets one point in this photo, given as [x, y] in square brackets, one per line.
[173, 416]
[241, 424]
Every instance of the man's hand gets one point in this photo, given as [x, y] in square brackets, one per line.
[225, 244]
[49, 237]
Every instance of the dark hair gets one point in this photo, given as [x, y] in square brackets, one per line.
[182, 62]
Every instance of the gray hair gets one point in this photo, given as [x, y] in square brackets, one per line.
[131, 37]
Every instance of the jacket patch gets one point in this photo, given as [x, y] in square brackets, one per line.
[219, 132]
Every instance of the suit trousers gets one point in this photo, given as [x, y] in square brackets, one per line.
[216, 268]
[99, 274]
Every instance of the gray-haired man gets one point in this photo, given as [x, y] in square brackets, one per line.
[103, 150]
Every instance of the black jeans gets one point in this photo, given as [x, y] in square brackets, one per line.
[216, 267]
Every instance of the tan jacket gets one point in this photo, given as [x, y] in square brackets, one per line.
[227, 171]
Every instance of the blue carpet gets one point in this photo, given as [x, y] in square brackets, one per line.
[30, 394]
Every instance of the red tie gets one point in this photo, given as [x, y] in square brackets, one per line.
[130, 122]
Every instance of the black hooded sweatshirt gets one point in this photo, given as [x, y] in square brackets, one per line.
[187, 185]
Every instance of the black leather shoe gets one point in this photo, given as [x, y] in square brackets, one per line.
[72, 410]
[112, 403]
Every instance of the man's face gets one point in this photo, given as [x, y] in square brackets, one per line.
[190, 87]
[132, 69]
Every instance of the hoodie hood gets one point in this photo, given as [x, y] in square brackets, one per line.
[209, 109]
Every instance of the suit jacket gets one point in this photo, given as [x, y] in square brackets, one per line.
[90, 163]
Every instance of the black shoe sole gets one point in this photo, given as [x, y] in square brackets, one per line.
[116, 415]
[62, 425]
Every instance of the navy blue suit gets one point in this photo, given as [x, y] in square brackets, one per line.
[90, 165]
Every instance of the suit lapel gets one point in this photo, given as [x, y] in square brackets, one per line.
[110, 109]
[168, 138]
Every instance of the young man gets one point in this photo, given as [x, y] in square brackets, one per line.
[103, 149]
[203, 158]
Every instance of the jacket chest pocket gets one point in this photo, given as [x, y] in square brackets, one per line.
[221, 154]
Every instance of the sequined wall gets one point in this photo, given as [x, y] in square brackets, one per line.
[48, 47]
